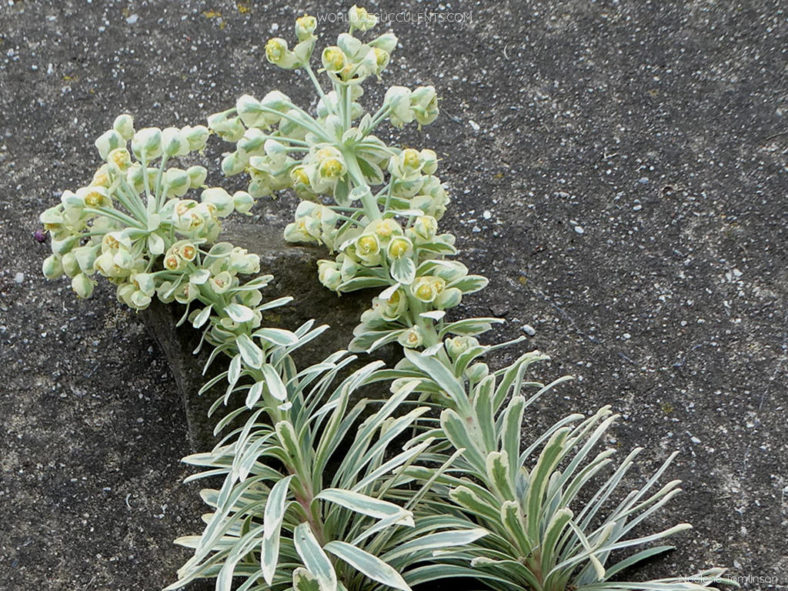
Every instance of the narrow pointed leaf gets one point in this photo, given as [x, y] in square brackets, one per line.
[274, 382]
[365, 505]
[251, 353]
[277, 336]
[445, 539]
[273, 516]
[202, 317]
[315, 560]
[442, 376]
[254, 394]
[366, 563]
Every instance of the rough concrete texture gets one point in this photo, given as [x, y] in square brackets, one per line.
[618, 171]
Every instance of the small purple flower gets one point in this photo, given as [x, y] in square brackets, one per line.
[40, 235]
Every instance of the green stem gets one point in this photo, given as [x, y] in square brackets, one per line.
[146, 182]
[309, 124]
[348, 107]
[389, 190]
[117, 215]
[295, 142]
[368, 201]
[131, 201]
[377, 118]
[349, 219]
[158, 188]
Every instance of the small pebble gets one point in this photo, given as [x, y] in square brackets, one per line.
[474, 126]
[487, 214]
[529, 330]
[500, 310]
[643, 180]
[19, 277]
[579, 229]
[133, 19]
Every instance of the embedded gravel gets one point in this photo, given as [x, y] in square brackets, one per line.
[618, 171]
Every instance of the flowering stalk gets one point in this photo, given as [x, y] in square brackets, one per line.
[383, 222]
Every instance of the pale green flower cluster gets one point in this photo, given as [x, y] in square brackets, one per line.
[376, 206]
[135, 225]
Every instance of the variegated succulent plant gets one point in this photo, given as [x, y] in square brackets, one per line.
[440, 477]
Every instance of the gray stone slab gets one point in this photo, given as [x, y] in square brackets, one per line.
[294, 271]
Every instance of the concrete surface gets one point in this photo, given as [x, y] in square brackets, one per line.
[618, 171]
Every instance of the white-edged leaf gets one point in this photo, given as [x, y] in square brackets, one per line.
[239, 313]
[303, 581]
[362, 283]
[388, 292]
[275, 303]
[154, 221]
[273, 516]
[444, 539]
[202, 317]
[469, 283]
[155, 244]
[470, 326]
[403, 270]
[365, 505]
[315, 560]
[366, 563]
[251, 353]
[235, 370]
[254, 394]
[199, 276]
[442, 376]
[359, 193]
[277, 336]
[432, 350]
[434, 314]
[274, 382]
[241, 547]
[221, 249]
[410, 212]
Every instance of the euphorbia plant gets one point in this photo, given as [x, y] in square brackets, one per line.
[377, 207]
[439, 481]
